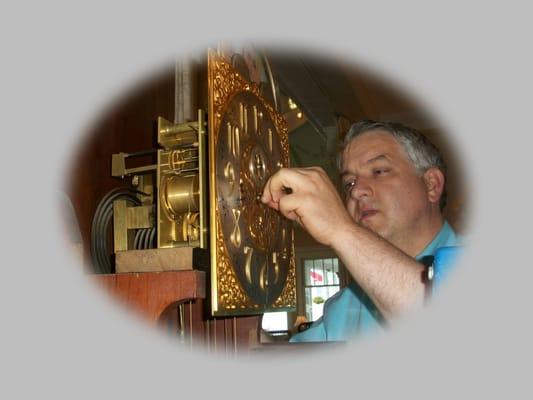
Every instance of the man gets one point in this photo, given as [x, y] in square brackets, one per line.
[391, 218]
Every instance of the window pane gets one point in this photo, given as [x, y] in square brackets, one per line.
[319, 296]
[328, 267]
[308, 304]
[318, 275]
[322, 282]
[336, 270]
[308, 266]
[315, 275]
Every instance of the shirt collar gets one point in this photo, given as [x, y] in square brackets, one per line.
[445, 237]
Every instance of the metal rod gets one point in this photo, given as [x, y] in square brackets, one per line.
[190, 323]
[208, 335]
[272, 81]
[146, 168]
[225, 337]
[235, 336]
[141, 153]
[178, 319]
[184, 171]
[182, 322]
[215, 343]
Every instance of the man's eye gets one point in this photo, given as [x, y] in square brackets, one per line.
[380, 171]
[349, 185]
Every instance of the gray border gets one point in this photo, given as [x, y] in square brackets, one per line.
[467, 64]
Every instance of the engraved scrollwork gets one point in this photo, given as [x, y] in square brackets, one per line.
[230, 292]
[287, 298]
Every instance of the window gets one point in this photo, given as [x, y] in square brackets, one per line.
[319, 276]
[321, 281]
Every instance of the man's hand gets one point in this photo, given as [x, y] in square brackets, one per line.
[308, 196]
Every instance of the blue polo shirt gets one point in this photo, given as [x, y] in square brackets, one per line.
[350, 311]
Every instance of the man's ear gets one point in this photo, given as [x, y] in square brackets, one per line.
[434, 180]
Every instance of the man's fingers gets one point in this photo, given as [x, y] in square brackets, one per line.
[307, 196]
[279, 185]
[289, 206]
[289, 188]
[281, 198]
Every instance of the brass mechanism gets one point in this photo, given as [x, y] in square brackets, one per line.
[128, 219]
[181, 183]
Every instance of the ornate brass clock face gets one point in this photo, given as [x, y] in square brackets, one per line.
[252, 255]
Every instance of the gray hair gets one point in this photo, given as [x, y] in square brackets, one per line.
[422, 153]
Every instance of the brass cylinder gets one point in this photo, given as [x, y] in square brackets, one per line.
[180, 194]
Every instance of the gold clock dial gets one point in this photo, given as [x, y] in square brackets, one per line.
[252, 251]
[256, 237]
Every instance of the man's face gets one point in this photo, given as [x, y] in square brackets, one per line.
[383, 190]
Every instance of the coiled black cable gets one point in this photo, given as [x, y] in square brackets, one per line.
[100, 226]
[136, 239]
[142, 232]
[153, 243]
[144, 239]
[149, 239]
